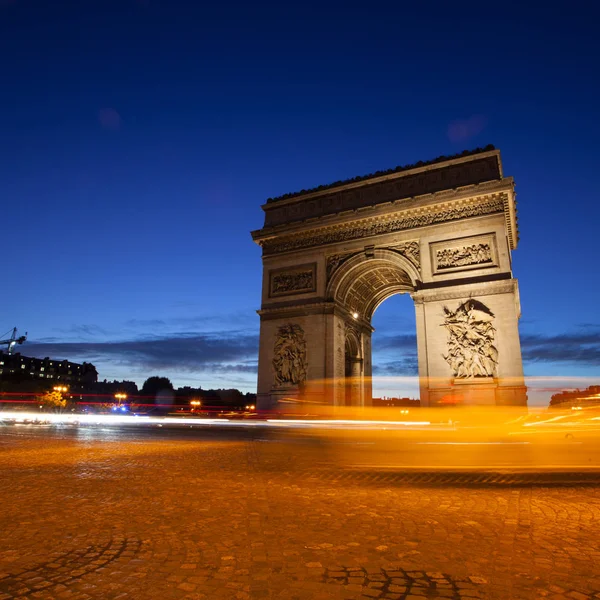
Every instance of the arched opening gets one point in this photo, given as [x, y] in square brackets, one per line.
[353, 369]
[394, 352]
[358, 287]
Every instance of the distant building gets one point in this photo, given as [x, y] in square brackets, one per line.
[16, 367]
[587, 397]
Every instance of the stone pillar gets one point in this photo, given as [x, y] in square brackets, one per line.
[304, 379]
[468, 344]
[422, 359]
[367, 369]
[336, 371]
[357, 382]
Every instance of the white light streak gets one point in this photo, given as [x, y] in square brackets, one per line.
[71, 419]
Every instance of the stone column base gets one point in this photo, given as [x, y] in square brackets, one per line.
[484, 391]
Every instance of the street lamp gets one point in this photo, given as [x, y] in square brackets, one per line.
[120, 397]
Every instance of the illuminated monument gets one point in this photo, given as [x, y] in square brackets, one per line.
[441, 231]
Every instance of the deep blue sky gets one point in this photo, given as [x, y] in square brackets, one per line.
[139, 138]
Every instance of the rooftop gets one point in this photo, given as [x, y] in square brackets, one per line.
[399, 169]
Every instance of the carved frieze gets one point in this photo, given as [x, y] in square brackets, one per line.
[289, 360]
[476, 254]
[471, 333]
[288, 281]
[465, 253]
[408, 219]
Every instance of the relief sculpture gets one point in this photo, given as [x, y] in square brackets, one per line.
[471, 349]
[290, 355]
[475, 254]
[411, 251]
[333, 262]
[290, 282]
[409, 219]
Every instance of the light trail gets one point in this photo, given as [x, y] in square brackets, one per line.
[77, 419]
[470, 443]
[320, 422]
[102, 419]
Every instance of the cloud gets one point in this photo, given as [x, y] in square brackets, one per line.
[464, 129]
[230, 351]
[109, 118]
[83, 330]
[229, 368]
[407, 365]
[195, 322]
[404, 341]
[582, 348]
[395, 355]
[146, 323]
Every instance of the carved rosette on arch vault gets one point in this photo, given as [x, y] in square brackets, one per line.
[471, 333]
[289, 360]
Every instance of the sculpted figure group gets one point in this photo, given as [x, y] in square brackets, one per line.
[475, 254]
[471, 350]
[291, 282]
[290, 355]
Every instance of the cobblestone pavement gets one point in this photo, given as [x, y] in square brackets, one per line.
[84, 517]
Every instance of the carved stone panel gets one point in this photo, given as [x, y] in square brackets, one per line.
[296, 280]
[289, 360]
[462, 254]
[471, 333]
[334, 262]
[410, 250]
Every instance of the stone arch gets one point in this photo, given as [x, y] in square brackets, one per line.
[353, 368]
[442, 231]
[363, 282]
[352, 343]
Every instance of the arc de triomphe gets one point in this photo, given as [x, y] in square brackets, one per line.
[442, 232]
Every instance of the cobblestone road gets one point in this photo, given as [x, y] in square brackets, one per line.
[87, 518]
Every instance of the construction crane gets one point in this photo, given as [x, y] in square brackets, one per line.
[13, 340]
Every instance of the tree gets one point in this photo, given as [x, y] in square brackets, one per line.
[53, 400]
[153, 385]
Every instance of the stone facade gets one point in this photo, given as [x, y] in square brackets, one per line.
[326, 270]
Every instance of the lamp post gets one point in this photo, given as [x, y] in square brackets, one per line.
[120, 397]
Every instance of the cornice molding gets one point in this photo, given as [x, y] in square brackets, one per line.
[512, 222]
[390, 223]
[465, 291]
[296, 310]
[477, 190]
